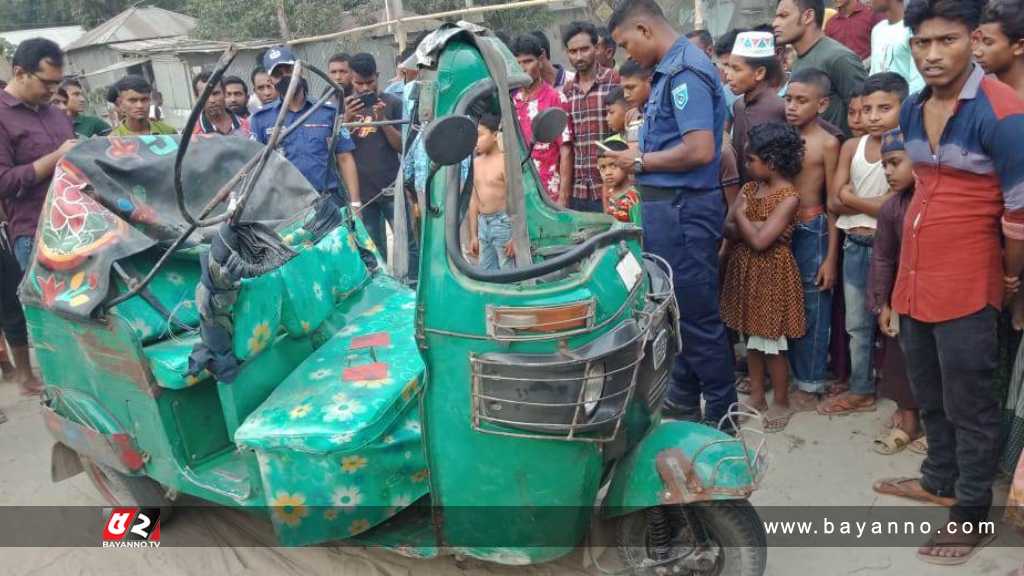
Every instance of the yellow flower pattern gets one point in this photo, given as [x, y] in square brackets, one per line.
[352, 464]
[289, 509]
[420, 476]
[300, 411]
[409, 390]
[260, 338]
[357, 526]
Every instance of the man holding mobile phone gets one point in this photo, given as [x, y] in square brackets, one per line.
[378, 148]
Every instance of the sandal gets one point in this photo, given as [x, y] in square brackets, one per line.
[837, 389]
[777, 418]
[972, 542]
[842, 405]
[901, 488]
[803, 401]
[891, 442]
[743, 385]
[920, 446]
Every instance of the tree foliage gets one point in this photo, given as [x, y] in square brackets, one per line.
[22, 14]
[511, 22]
[257, 19]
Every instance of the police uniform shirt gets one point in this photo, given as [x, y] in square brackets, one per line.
[306, 147]
[686, 96]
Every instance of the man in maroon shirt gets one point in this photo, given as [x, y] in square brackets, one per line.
[851, 26]
[33, 138]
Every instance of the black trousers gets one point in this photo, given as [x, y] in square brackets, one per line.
[951, 367]
[12, 319]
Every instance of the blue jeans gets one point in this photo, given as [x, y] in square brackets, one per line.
[23, 250]
[494, 231]
[686, 232]
[809, 355]
[860, 323]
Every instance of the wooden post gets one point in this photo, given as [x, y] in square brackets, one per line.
[398, 11]
[282, 21]
[698, 15]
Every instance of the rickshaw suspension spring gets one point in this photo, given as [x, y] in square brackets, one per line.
[660, 533]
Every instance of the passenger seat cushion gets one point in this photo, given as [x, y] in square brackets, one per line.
[257, 314]
[174, 286]
[307, 285]
[168, 360]
[349, 390]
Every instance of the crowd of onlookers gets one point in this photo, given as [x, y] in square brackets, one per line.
[840, 194]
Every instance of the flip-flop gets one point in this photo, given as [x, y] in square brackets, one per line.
[920, 446]
[897, 487]
[951, 541]
[841, 406]
[777, 418]
[891, 442]
[837, 389]
[743, 385]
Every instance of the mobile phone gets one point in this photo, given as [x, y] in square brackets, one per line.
[369, 99]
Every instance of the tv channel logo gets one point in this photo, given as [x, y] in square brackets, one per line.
[127, 527]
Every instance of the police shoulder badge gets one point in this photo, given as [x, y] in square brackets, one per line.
[680, 96]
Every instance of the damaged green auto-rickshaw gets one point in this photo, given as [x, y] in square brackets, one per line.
[207, 325]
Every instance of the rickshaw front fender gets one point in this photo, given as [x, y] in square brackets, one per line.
[681, 462]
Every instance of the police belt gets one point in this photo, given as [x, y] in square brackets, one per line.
[664, 194]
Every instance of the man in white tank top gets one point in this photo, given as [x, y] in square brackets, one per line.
[860, 190]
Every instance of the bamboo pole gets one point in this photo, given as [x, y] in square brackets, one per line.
[418, 18]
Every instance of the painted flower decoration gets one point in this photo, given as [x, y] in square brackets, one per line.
[300, 411]
[352, 464]
[347, 497]
[260, 337]
[361, 525]
[331, 514]
[289, 509]
[413, 426]
[420, 476]
[343, 410]
[175, 278]
[318, 291]
[401, 501]
[343, 438]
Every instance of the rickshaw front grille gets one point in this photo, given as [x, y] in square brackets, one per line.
[542, 396]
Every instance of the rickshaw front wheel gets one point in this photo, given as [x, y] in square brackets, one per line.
[122, 490]
[736, 543]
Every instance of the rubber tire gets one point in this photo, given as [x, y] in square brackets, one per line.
[122, 490]
[733, 524]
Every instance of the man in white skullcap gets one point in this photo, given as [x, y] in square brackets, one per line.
[753, 74]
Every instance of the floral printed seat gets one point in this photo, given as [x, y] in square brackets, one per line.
[350, 390]
[338, 441]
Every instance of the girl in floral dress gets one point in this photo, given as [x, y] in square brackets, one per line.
[763, 296]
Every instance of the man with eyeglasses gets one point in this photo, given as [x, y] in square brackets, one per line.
[33, 138]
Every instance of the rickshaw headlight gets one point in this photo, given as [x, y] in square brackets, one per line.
[593, 387]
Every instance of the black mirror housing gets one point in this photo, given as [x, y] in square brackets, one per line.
[450, 140]
[549, 125]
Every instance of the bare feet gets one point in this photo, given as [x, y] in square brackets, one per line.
[803, 401]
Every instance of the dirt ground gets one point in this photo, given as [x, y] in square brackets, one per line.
[817, 461]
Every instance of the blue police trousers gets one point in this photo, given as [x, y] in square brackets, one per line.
[685, 228]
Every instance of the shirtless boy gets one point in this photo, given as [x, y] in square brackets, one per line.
[490, 231]
[815, 238]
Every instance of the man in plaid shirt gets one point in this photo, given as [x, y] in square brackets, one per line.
[586, 94]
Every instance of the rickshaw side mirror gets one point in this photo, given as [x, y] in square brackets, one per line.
[450, 140]
[549, 125]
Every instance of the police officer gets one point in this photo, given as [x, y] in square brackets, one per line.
[307, 147]
[683, 209]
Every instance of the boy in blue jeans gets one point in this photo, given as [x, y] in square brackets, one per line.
[815, 238]
[490, 231]
[858, 193]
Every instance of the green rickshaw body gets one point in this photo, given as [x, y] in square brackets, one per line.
[479, 416]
